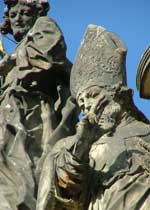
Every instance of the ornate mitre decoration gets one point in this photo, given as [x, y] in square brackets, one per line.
[100, 61]
[143, 74]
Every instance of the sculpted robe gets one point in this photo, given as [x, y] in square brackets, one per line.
[122, 169]
[117, 178]
[35, 92]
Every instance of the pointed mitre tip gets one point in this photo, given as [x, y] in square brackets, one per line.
[93, 27]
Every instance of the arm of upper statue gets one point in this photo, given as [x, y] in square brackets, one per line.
[44, 45]
[62, 181]
[66, 171]
[7, 63]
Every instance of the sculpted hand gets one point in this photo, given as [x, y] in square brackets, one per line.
[70, 173]
[49, 120]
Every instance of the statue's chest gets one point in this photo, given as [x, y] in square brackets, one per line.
[110, 154]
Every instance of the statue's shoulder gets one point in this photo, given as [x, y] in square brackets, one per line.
[140, 128]
[135, 128]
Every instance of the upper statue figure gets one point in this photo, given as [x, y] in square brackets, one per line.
[34, 101]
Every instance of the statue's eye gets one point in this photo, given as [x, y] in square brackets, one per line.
[12, 14]
[27, 12]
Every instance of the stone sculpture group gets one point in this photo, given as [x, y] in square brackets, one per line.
[50, 159]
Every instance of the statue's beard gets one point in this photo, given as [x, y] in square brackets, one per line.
[109, 117]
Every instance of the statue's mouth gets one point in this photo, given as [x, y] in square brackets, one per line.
[19, 25]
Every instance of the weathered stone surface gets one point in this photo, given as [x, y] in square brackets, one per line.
[35, 106]
[47, 164]
[100, 60]
[107, 161]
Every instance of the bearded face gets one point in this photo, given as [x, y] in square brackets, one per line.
[99, 106]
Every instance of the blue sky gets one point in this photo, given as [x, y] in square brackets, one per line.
[129, 19]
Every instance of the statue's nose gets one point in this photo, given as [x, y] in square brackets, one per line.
[18, 18]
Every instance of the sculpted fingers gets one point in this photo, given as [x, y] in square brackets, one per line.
[69, 172]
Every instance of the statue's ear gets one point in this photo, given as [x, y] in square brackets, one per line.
[130, 92]
[124, 92]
